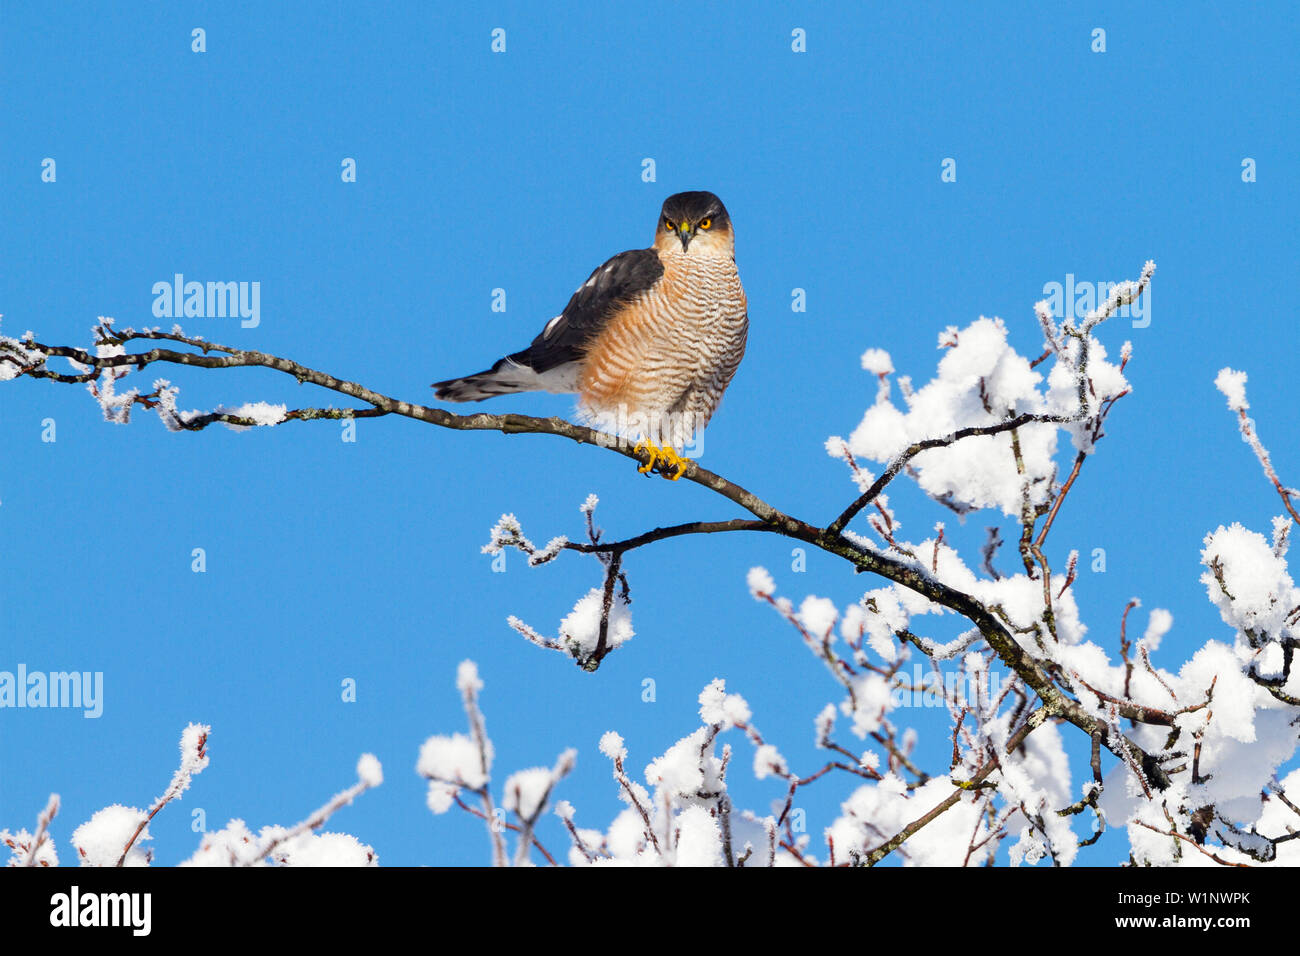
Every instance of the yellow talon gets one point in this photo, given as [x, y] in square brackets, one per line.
[676, 461]
[653, 453]
[660, 460]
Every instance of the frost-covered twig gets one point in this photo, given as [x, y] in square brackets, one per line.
[506, 825]
[598, 624]
[369, 775]
[611, 745]
[42, 829]
[1173, 834]
[1233, 386]
[528, 793]
[600, 621]
[194, 758]
[29, 358]
[976, 780]
[469, 684]
[461, 762]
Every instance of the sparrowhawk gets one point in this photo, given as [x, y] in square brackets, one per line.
[649, 342]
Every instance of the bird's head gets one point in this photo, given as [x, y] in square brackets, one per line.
[696, 224]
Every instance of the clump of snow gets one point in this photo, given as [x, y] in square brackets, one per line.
[229, 846]
[260, 413]
[611, 745]
[454, 760]
[1233, 386]
[626, 836]
[877, 362]
[683, 770]
[769, 762]
[720, 708]
[440, 796]
[526, 791]
[580, 630]
[467, 679]
[818, 616]
[101, 839]
[1247, 580]
[760, 582]
[319, 849]
[1158, 625]
[370, 771]
[699, 839]
[981, 380]
[872, 700]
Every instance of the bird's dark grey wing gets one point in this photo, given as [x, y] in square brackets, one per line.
[614, 283]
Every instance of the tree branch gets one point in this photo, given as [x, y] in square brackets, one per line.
[30, 358]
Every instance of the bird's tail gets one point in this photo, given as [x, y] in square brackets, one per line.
[501, 379]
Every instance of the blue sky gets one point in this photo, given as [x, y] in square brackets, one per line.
[329, 560]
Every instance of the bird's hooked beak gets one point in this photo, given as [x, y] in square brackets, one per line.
[685, 232]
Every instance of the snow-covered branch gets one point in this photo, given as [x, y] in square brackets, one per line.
[460, 762]
[34, 849]
[116, 835]
[1200, 747]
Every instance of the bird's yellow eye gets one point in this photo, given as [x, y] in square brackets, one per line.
[705, 223]
[668, 224]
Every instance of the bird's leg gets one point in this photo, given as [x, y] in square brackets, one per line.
[661, 460]
[670, 459]
[651, 451]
